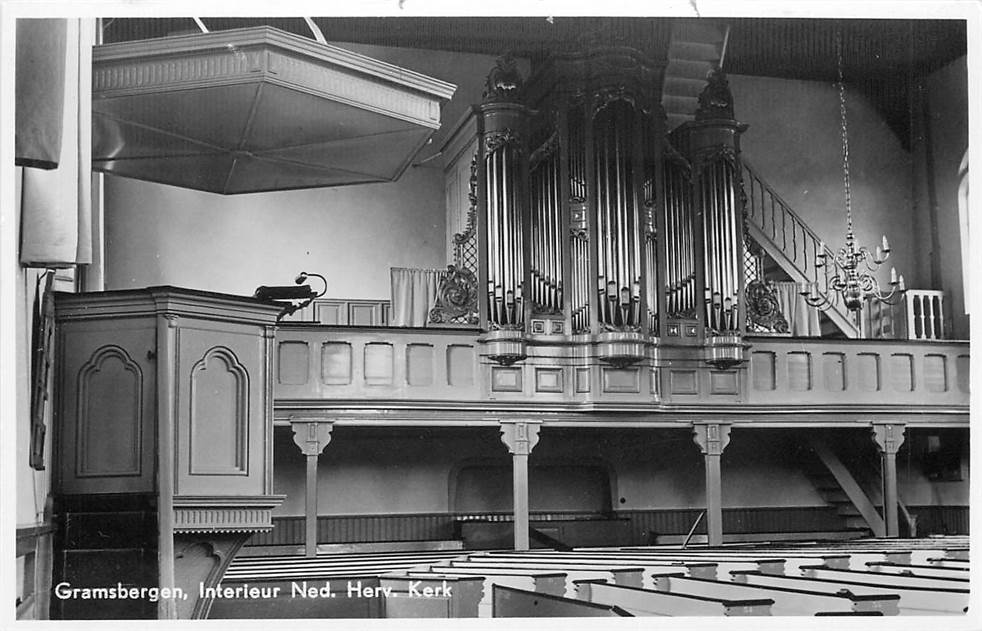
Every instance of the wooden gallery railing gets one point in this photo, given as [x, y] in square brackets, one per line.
[325, 366]
[919, 316]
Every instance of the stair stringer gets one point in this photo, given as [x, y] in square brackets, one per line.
[834, 313]
[849, 486]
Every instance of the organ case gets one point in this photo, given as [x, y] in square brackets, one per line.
[595, 226]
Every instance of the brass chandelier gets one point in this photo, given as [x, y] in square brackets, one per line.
[853, 266]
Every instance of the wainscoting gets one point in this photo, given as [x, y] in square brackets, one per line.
[940, 520]
[645, 525]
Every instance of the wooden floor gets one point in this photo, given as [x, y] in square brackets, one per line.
[863, 577]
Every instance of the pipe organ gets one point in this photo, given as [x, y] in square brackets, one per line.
[598, 228]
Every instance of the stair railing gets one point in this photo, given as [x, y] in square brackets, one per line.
[692, 531]
[795, 242]
[871, 476]
[909, 518]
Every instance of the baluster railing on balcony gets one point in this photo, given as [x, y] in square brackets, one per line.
[925, 315]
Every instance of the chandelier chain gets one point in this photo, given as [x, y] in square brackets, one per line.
[844, 132]
[854, 285]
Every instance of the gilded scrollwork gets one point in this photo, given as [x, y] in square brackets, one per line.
[468, 233]
[716, 100]
[763, 310]
[504, 82]
[456, 300]
[608, 95]
[495, 140]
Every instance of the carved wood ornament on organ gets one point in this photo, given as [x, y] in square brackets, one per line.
[598, 226]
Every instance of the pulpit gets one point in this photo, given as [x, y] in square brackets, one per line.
[163, 432]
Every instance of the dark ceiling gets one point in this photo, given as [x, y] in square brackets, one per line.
[883, 58]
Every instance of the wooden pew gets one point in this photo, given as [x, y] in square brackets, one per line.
[647, 602]
[651, 568]
[946, 562]
[302, 598]
[317, 567]
[619, 575]
[544, 582]
[721, 571]
[792, 560]
[431, 596]
[960, 554]
[888, 580]
[787, 601]
[517, 603]
[927, 571]
[835, 558]
[725, 562]
[913, 600]
[398, 554]
[911, 551]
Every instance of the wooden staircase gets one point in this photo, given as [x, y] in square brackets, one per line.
[837, 486]
[793, 246]
[696, 48]
[774, 272]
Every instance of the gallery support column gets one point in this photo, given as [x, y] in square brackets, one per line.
[889, 437]
[712, 439]
[311, 435]
[520, 437]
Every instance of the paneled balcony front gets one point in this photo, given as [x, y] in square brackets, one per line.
[400, 372]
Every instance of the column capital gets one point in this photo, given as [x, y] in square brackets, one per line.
[712, 438]
[888, 436]
[520, 437]
[311, 435]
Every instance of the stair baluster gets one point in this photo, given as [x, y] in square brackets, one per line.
[772, 235]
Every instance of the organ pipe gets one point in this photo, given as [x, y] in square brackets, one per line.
[680, 258]
[722, 245]
[505, 173]
[547, 244]
[579, 239]
[615, 201]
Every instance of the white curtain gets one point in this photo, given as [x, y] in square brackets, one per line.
[802, 318]
[963, 220]
[56, 199]
[414, 293]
